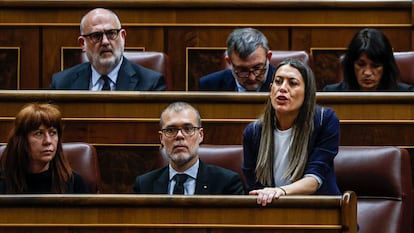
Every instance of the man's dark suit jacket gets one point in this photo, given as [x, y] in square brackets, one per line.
[210, 180]
[131, 77]
[224, 81]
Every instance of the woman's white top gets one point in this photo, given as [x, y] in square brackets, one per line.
[283, 141]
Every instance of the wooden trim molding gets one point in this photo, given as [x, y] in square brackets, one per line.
[170, 213]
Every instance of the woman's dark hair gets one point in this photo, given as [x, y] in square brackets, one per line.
[16, 157]
[377, 48]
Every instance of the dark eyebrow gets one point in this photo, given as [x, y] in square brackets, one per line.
[183, 125]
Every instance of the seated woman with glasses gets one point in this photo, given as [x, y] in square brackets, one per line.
[248, 54]
[181, 134]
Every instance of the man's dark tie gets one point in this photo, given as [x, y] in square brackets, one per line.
[179, 183]
[106, 86]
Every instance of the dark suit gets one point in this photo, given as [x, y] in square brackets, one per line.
[342, 86]
[131, 77]
[224, 81]
[210, 180]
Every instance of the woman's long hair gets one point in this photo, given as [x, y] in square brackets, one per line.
[302, 131]
[16, 159]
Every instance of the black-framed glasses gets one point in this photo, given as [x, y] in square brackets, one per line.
[245, 73]
[187, 131]
[96, 37]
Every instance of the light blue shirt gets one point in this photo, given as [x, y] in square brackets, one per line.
[97, 83]
[189, 184]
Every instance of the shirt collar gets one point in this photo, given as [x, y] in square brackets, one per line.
[113, 75]
[192, 171]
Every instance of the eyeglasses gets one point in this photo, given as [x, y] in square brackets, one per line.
[187, 131]
[246, 73]
[110, 34]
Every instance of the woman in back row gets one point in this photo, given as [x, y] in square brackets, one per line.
[369, 65]
[33, 161]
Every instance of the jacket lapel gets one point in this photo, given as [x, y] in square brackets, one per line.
[83, 77]
[202, 181]
[229, 82]
[127, 77]
[161, 184]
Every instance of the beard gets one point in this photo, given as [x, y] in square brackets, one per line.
[181, 158]
[105, 63]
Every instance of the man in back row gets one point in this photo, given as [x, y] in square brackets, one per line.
[180, 135]
[103, 39]
[248, 55]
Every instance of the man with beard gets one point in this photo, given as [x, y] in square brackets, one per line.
[103, 39]
[180, 135]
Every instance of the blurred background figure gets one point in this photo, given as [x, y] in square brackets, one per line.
[369, 65]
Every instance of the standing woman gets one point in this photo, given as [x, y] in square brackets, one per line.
[33, 161]
[290, 149]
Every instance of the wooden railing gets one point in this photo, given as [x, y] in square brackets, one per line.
[94, 117]
[168, 213]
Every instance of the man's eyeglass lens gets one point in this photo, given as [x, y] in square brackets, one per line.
[173, 131]
[110, 35]
[246, 74]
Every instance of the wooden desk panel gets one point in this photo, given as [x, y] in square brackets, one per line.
[166, 213]
[192, 12]
[134, 116]
[214, 105]
[182, 24]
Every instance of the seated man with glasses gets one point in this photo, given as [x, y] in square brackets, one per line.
[181, 134]
[103, 39]
[248, 55]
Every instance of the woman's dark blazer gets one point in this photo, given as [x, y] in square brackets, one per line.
[323, 146]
